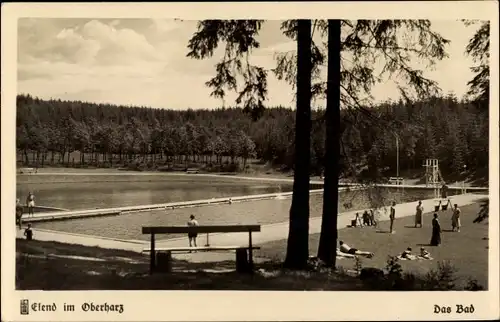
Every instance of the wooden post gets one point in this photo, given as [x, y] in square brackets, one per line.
[152, 255]
[208, 242]
[250, 253]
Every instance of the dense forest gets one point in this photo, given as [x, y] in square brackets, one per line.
[453, 131]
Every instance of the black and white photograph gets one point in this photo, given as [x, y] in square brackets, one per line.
[318, 152]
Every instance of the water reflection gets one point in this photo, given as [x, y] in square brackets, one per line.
[107, 193]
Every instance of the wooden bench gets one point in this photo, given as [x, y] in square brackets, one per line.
[396, 180]
[240, 250]
[28, 170]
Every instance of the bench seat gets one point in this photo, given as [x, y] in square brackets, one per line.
[244, 255]
[210, 248]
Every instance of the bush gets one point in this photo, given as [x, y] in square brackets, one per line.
[442, 279]
[473, 285]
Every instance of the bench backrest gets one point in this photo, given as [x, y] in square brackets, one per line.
[200, 229]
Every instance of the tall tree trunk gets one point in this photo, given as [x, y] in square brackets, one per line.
[298, 235]
[328, 237]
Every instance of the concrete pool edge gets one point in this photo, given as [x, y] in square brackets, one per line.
[269, 232]
[68, 215]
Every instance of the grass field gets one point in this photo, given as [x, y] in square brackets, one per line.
[93, 268]
[467, 251]
[53, 266]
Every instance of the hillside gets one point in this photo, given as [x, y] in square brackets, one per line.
[226, 139]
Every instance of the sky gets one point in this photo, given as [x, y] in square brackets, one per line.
[142, 62]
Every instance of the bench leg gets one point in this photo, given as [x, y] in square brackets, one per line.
[152, 255]
[164, 262]
[242, 265]
[250, 252]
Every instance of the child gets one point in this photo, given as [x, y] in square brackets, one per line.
[28, 232]
[192, 236]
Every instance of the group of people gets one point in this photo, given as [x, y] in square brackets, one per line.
[30, 204]
[371, 218]
[407, 254]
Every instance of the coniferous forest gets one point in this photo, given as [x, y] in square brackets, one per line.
[225, 139]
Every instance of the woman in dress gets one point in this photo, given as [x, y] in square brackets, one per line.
[418, 215]
[455, 219]
[436, 231]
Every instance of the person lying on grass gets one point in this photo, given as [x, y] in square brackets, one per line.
[408, 255]
[344, 248]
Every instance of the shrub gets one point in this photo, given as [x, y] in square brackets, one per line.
[442, 279]
[473, 285]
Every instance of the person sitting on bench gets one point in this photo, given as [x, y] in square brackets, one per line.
[344, 248]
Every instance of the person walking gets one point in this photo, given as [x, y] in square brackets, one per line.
[418, 215]
[436, 231]
[30, 202]
[455, 219]
[392, 217]
[192, 236]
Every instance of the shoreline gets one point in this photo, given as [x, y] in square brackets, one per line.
[255, 175]
[269, 233]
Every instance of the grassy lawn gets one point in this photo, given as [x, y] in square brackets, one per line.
[38, 269]
[466, 251]
[57, 266]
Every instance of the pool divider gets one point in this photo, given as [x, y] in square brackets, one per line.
[75, 214]
[66, 215]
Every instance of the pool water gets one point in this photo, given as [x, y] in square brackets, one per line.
[128, 226]
[108, 191]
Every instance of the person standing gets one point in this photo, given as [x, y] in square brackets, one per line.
[455, 219]
[372, 218]
[30, 202]
[366, 219]
[436, 231]
[418, 215]
[28, 232]
[19, 213]
[444, 191]
[192, 236]
[392, 216]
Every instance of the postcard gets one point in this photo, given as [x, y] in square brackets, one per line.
[244, 161]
